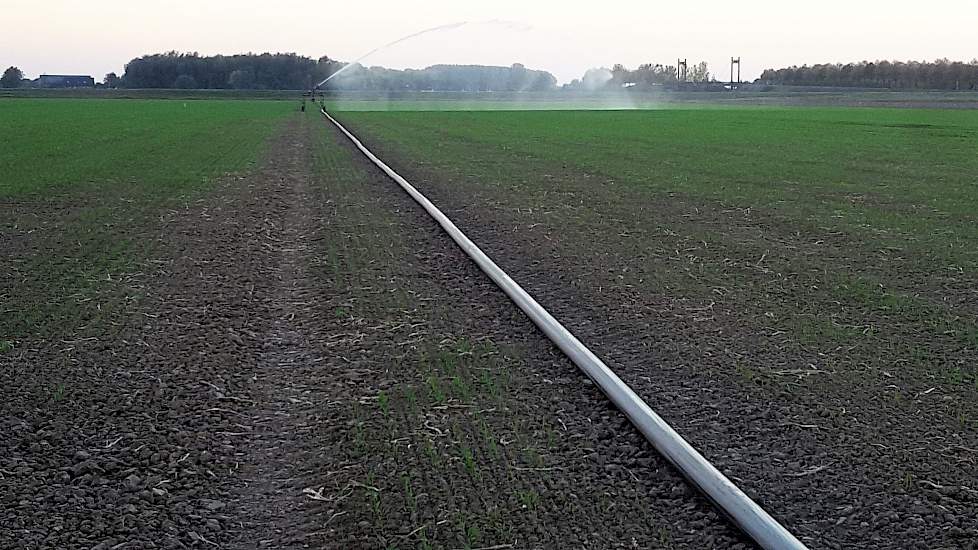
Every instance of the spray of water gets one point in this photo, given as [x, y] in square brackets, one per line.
[451, 26]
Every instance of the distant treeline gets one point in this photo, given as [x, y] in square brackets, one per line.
[940, 75]
[294, 72]
[281, 71]
[445, 78]
[645, 76]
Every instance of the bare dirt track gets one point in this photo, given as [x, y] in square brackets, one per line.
[305, 361]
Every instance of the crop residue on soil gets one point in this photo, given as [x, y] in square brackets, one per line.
[307, 361]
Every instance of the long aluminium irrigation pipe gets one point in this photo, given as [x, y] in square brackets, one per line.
[743, 511]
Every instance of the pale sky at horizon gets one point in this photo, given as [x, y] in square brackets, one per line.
[566, 38]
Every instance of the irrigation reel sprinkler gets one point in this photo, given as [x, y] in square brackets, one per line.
[311, 95]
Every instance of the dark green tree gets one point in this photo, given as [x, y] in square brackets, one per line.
[11, 78]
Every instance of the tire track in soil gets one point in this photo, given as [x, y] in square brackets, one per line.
[252, 244]
[269, 505]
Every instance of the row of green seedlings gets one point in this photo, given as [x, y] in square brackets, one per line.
[357, 254]
[449, 378]
[367, 237]
[447, 423]
[361, 252]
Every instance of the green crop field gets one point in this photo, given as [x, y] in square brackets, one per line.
[910, 172]
[79, 176]
[794, 288]
[845, 228]
[161, 145]
[881, 202]
[905, 176]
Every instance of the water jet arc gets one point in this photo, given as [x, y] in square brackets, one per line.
[734, 503]
[394, 43]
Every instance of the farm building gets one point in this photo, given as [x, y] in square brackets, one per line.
[65, 81]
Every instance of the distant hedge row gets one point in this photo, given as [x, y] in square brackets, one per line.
[938, 75]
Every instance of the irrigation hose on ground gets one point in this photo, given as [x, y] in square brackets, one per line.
[733, 502]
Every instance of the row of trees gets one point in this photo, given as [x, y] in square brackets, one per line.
[460, 78]
[294, 72]
[941, 75]
[645, 76]
[246, 72]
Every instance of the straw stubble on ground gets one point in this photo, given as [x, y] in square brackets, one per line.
[306, 361]
[840, 408]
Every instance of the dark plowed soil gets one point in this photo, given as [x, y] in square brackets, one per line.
[850, 447]
[310, 363]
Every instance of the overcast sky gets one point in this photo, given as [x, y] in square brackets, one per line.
[565, 37]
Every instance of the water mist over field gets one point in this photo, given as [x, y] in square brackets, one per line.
[511, 25]
[349, 87]
[491, 101]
